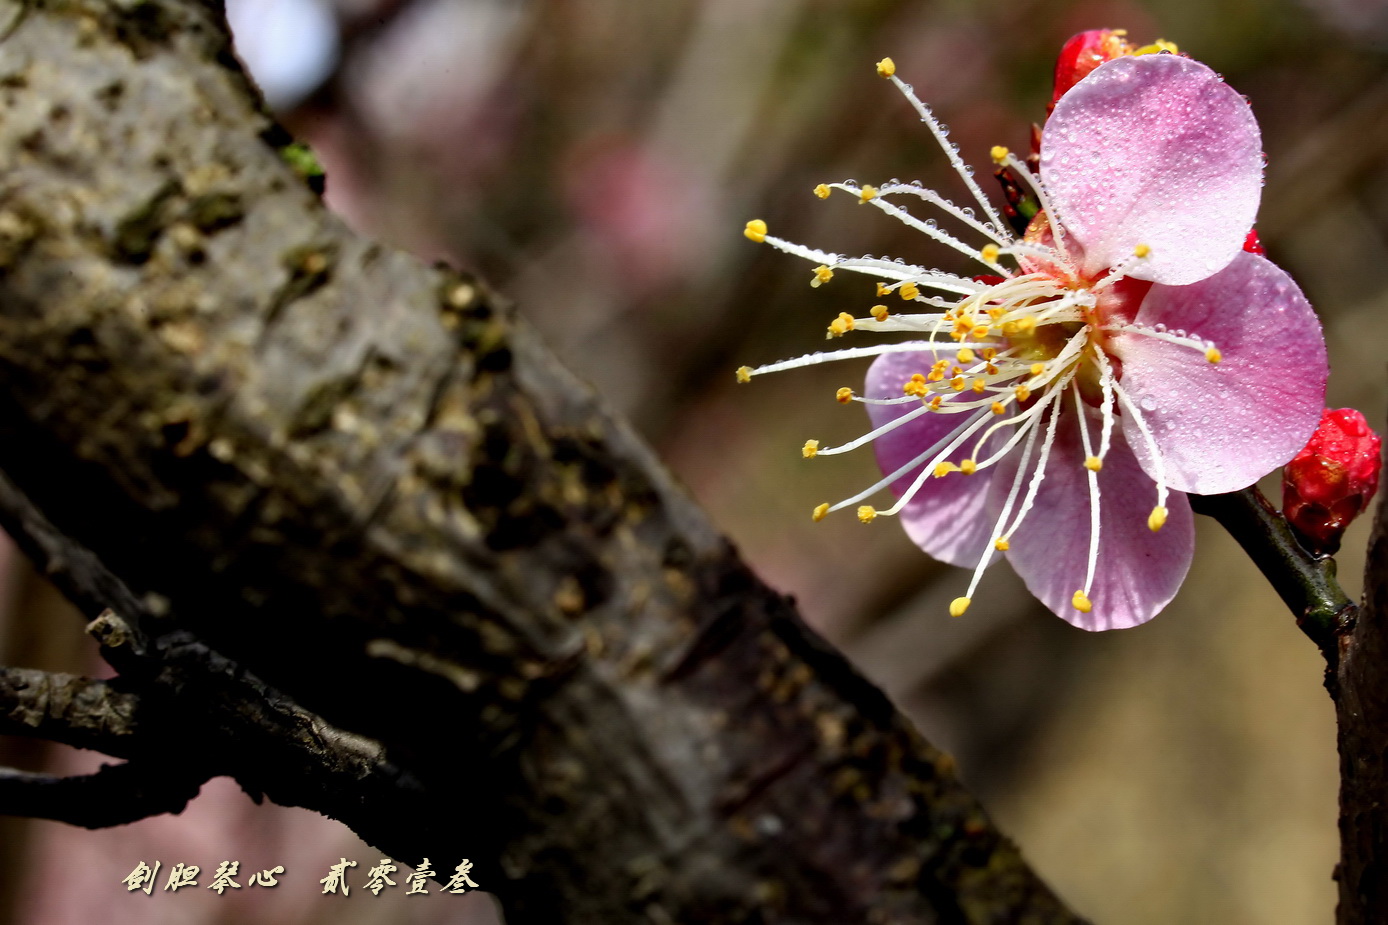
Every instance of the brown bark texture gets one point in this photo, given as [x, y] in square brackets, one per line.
[1357, 678]
[368, 548]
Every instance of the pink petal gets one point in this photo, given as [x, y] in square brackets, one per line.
[947, 517]
[1221, 427]
[1154, 150]
[1137, 573]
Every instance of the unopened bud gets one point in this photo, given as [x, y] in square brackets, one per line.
[1082, 54]
[1332, 480]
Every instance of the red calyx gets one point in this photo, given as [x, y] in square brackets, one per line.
[1082, 54]
[1332, 480]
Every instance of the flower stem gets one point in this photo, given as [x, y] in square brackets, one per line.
[1306, 582]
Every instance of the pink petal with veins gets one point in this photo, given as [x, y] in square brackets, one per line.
[1221, 427]
[1155, 150]
[947, 517]
[1137, 573]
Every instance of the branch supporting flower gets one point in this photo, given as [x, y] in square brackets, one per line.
[1305, 581]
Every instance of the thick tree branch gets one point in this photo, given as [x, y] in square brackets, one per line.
[1359, 686]
[303, 466]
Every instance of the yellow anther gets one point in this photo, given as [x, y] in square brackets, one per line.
[1094, 464]
[1142, 250]
[1081, 602]
[978, 385]
[989, 253]
[810, 450]
[755, 230]
[1022, 393]
[999, 154]
[822, 275]
[1038, 368]
[981, 332]
[1027, 323]
[820, 511]
[1213, 355]
[1156, 47]
[958, 606]
[966, 355]
[1009, 328]
[886, 67]
[744, 374]
[968, 467]
[867, 513]
[844, 395]
[909, 291]
[879, 312]
[957, 383]
[996, 313]
[944, 469]
[990, 369]
[882, 289]
[936, 402]
[990, 353]
[840, 325]
[917, 377]
[1001, 544]
[822, 191]
[997, 407]
[955, 370]
[1157, 519]
[918, 389]
[867, 193]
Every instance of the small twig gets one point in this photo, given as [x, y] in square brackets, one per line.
[114, 795]
[1305, 582]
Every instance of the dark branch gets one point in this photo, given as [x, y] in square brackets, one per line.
[1360, 689]
[1305, 582]
[73, 710]
[115, 795]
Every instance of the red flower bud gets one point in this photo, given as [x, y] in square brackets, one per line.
[1082, 54]
[1332, 480]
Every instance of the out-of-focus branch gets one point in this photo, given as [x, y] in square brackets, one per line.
[115, 795]
[409, 571]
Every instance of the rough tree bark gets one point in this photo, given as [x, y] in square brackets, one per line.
[370, 550]
[1355, 677]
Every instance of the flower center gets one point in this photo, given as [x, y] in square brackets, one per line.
[1002, 356]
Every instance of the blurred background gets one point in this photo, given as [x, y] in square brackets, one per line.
[596, 162]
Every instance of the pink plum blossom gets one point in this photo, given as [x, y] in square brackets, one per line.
[1126, 351]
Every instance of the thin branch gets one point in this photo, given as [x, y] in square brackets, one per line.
[66, 708]
[1305, 582]
[115, 795]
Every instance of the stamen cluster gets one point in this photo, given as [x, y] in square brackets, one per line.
[1026, 371]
